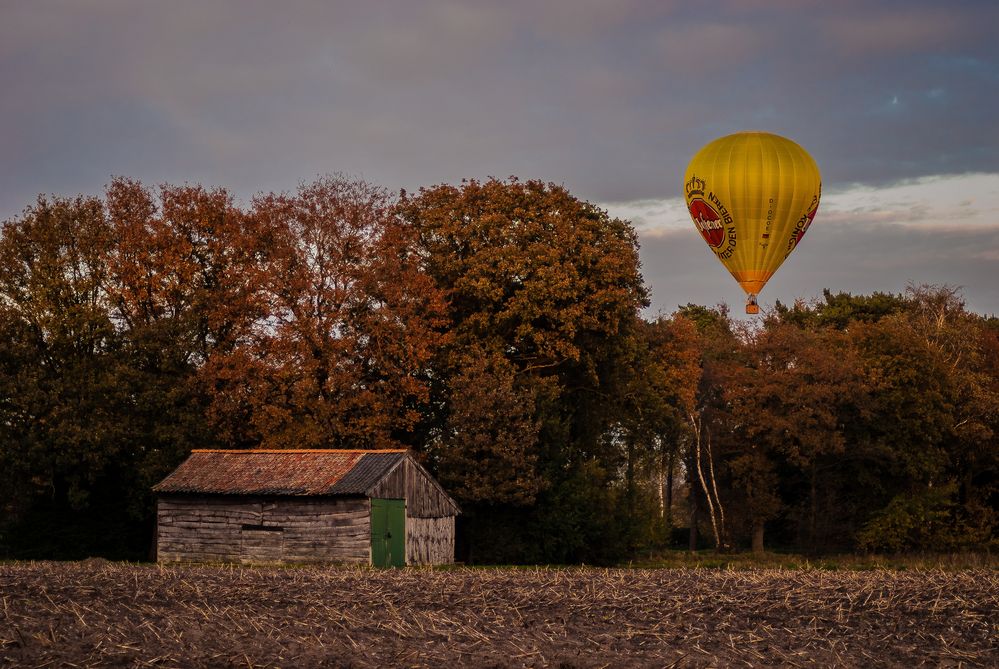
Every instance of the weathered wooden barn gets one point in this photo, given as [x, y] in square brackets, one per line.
[300, 506]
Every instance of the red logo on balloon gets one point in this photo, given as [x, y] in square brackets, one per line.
[809, 217]
[707, 221]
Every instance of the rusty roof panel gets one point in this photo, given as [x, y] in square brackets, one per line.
[270, 472]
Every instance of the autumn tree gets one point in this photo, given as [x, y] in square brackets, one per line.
[911, 461]
[189, 263]
[657, 377]
[494, 327]
[716, 347]
[485, 448]
[545, 286]
[185, 279]
[788, 408]
[67, 449]
[342, 357]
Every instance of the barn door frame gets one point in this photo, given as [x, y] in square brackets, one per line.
[388, 532]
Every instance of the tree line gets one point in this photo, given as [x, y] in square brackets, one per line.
[496, 328]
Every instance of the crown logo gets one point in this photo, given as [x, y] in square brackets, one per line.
[695, 187]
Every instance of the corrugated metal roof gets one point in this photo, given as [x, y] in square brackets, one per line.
[368, 471]
[281, 472]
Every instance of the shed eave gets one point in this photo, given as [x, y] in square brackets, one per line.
[202, 493]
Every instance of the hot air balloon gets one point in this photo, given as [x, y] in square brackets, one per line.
[752, 196]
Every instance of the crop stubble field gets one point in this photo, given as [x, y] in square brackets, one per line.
[96, 613]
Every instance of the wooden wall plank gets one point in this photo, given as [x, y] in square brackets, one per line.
[409, 481]
[430, 540]
[192, 529]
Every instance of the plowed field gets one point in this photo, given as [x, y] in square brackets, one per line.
[107, 614]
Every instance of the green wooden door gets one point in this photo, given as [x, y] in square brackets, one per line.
[388, 532]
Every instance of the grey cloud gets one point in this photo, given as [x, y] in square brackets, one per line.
[610, 99]
[878, 33]
[859, 258]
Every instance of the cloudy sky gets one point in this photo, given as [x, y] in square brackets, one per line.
[898, 102]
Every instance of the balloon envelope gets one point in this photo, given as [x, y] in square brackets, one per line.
[752, 196]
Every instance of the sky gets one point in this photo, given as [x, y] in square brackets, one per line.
[898, 103]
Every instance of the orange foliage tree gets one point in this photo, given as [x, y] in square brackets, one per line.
[543, 291]
[342, 357]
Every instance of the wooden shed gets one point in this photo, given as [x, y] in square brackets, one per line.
[298, 506]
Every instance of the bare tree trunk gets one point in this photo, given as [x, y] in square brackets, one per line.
[660, 484]
[700, 475]
[669, 489]
[660, 477]
[714, 487]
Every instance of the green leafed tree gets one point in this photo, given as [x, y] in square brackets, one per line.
[934, 409]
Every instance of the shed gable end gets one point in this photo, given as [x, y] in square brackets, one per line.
[424, 496]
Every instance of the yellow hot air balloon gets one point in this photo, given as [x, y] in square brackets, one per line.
[752, 196]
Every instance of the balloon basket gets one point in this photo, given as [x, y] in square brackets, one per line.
[751, 306]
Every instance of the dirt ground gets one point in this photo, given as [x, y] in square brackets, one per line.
[96, 613]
